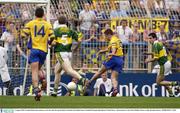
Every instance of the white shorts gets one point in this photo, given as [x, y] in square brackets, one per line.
[67, 58]
[4, 73]
[165, 69]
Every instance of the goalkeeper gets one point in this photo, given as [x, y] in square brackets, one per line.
[3, 66]
[63, 43]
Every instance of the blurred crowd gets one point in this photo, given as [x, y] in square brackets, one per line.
[92, 18]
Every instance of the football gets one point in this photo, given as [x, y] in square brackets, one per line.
[71, 86]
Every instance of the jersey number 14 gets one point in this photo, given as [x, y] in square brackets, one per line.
[39, 31]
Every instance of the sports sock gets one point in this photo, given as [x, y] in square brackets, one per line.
[174, 83]
[36, 90]
[55, 89]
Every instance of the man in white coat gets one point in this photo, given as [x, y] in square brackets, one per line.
[3, 66]
[103, 86]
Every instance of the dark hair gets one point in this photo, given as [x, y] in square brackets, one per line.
[108, 32]
[123, 20]
[153, 35]
[62, 20]
[39, 12]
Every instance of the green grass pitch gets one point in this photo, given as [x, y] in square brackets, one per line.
[89, 102]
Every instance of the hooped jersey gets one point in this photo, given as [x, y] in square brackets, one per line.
[160, 53]
[64, 38]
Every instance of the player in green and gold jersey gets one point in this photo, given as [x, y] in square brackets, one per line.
[63, 43]
[160, 55]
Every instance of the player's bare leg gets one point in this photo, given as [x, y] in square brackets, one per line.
[114, 76]
[42, 79]
[66, 66]
[35, 69]
[97, 74]
[100, 71]
[160, 81]
[57, 72]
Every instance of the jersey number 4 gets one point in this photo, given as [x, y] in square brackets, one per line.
[39, 31]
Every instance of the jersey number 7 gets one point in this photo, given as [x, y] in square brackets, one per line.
[39, 31]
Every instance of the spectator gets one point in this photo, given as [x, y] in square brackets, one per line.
[118, 12]
[124, 32]
[172, 4]
[6, 11]
[150, 4]
[136, 34]
[160, 4]
[176, 34]
[26, 14]
[162, 35]
[102, 37]
[91, 57]
[103, 86]
[93, 34]
[8, 38]
[137, 8]
[87, 19]
[146, 32]
[15, 11]
[100, 14]
[136, 49]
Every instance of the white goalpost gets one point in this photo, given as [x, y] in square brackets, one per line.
[47, 6]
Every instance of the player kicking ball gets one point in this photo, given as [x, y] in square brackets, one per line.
[114, 61]
[159, 54]
[39, 31]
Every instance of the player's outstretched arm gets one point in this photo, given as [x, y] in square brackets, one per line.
[102, 51]
[150, 60]
[146, 53]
